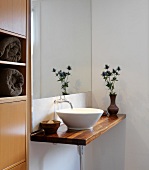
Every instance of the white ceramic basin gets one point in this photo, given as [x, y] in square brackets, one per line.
[80, 118]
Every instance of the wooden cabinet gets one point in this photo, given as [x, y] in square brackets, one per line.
[14, 19]
[13, 16]
[12, 133]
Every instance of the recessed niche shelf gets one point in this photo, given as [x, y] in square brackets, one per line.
[12, 63]
[12, 99]
[19, 65]
[2, 31]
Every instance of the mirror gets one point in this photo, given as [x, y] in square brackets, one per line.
[61, 36]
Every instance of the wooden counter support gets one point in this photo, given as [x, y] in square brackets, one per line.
[82, 137]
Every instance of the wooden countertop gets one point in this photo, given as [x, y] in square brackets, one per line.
[82, 137]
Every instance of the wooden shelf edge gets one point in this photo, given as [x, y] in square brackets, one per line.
[106, 128]
[12, 33]
[12, 99]
[12, 63]
[83, 137]
[14, 165]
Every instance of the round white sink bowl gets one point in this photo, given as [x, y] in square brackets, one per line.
[80, 118]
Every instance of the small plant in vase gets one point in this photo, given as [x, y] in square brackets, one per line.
[111, 77]
[63, 78]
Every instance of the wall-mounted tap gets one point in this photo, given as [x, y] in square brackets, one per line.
[63, 101]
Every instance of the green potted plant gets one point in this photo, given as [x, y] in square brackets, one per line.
[111, 77]
[63, 79]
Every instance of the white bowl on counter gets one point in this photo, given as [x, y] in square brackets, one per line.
[80, 118]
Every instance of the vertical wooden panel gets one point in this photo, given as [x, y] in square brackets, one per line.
[28, 80]
[13, 16]
[12, 133]
[6, 14]
[19, 16]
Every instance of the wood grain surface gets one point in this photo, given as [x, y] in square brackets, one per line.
[82, 137]
[13, 16]
[12, 133]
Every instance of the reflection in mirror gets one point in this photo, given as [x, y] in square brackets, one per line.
[61, 36]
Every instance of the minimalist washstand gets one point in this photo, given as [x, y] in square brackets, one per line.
[78, 135]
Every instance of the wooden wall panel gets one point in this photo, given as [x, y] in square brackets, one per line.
[6, 14]
[12, 133]
[13, 16]
[19, 16]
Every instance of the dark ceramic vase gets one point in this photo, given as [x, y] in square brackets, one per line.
[113, 109]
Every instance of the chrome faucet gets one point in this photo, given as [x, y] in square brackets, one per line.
[63, 101]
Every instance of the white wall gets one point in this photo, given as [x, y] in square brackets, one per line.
[120, 36]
